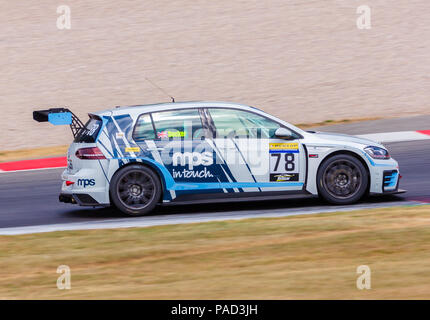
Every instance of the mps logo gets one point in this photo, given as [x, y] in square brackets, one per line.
[192, 159]
[86, 182]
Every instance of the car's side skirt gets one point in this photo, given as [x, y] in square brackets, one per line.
[238, 197]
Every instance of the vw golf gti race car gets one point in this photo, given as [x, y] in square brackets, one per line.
[185, 152]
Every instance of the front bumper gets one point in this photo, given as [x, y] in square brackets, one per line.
[384, 176]
[386, 181]
[390, 180]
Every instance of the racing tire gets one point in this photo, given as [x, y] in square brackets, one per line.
[135, 190]
[342, 179]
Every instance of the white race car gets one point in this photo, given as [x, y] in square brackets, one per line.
[139, 156]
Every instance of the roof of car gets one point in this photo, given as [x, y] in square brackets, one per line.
[172, 106]
[137, 110]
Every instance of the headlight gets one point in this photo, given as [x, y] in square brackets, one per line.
[377, 153]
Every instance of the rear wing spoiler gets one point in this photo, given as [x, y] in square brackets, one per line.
[60, 117]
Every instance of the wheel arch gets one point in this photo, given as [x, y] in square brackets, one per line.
[149, 165]
[350, 153]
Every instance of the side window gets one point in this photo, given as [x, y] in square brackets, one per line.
[144, 129]
[242, 124]
[184, 124]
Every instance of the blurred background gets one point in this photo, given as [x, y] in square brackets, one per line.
[303, 61]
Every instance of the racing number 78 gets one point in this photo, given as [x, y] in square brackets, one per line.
[288, 161]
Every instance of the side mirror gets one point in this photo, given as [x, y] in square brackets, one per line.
[284, 133]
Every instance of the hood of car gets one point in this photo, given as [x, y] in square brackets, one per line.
[345, 138]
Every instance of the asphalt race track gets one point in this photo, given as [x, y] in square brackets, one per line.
[31, 199]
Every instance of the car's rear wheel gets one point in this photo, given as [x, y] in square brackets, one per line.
[135, 190]
[342, 179]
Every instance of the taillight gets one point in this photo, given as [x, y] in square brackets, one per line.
[90, 154]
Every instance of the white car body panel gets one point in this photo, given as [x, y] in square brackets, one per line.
[321, 145]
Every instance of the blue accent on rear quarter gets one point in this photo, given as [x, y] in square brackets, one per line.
[60, 119]
[104, 123]
[125, 122]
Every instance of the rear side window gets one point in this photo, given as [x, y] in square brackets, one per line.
[144, 129]
[184, 124]
[90, 132]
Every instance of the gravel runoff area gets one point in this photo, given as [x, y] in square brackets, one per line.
[304, 61]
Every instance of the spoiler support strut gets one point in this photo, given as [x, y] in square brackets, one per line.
[60, 116]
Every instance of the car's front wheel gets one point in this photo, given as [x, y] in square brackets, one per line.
[342, 179]
[135, 190]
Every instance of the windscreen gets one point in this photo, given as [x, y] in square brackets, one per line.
[90, 132]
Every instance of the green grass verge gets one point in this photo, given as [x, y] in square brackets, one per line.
[311, 256]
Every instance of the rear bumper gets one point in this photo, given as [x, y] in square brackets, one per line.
[86, 187]
[80, 199]
[67, 198]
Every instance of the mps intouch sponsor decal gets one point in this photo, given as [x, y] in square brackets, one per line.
[189, 174]
[191, 160]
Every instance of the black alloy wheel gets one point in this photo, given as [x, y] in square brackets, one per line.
[135, 190]
[342, 179]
